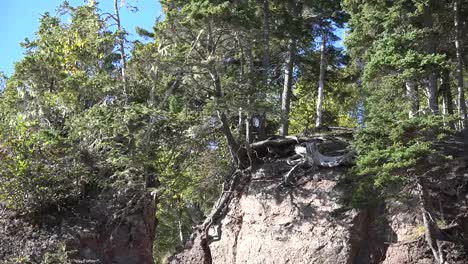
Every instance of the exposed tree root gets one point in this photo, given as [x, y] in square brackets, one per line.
[310, 157]
[200, 238]
[248, 154]
[432, 231]
[223, 202]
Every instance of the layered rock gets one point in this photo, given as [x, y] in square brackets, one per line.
[103, 230]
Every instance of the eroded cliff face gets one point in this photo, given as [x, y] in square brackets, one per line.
[273, 224]
[111, 229]
[448, 197]
[268, 222]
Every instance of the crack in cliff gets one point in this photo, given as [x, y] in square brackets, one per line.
[360, 228]
[206, 251]
[369, 237]
[238, 224]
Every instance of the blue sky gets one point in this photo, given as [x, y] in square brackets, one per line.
[20, 19]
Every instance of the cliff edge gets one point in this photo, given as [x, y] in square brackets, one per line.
[268, 221]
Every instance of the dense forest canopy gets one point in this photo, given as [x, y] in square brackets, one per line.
[86, 111]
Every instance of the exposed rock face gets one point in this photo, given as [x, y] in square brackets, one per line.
[99, 231]
[20, 240]
[198, 252]
[449, 199]
[267, 222]
[295, 225]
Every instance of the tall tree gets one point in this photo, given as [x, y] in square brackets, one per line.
[459, 46]
[323, 61]
[412, 95]
[293, 11]
[445, 88]
[265, 7]
[431, 49]
[121, 40]
[287, 87]
[400, 43]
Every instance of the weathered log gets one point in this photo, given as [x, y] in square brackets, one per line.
[275, 142]
[277, 146]
[312, 158]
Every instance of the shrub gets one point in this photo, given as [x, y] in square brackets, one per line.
[38, 169]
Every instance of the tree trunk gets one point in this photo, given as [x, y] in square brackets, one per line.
[233, 146]
[261, 131]
[431, 47]
[319, 121]
[460, 67]
[121, 42]
[226, 129]
[252, 90]
[179, 227]
[218, 94]
[287, 87]
[432, 88]
[241, 81]
[248, 129]
[266, 40]
[413, 99]
[447, 99]
[241, 122]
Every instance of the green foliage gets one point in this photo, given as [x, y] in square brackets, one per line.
[66, 69]
[387, 150]
[39, 170]
[393, 43]
[339, 109]
[394, 37]
[191, 189]
[20, 260]
[59, 256]
[68, 130]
